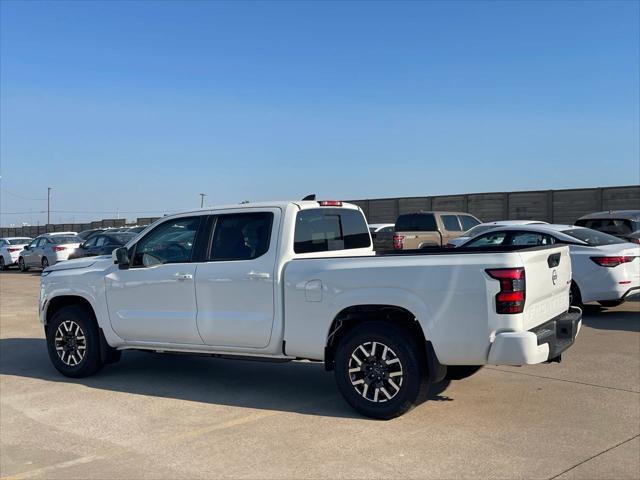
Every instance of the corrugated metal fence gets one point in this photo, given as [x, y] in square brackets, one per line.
[557, 206]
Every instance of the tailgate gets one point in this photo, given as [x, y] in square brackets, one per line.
[548, 281]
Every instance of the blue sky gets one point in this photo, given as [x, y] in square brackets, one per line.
[139, 106]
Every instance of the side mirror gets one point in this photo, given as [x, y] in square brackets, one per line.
[121, 257]
[26, 247]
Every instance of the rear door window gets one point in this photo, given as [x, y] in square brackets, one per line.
[241, 236]
[327, 229]
[451, 223]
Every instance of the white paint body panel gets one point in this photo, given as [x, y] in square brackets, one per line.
[451, 296]
[11, 253]
[604, 283]
[251, 307]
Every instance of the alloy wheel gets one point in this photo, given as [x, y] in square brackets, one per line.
[70, 343]
[375, 372]
[45, 262]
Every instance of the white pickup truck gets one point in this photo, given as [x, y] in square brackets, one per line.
[300, 280]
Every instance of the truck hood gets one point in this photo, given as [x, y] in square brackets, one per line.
[85, 262]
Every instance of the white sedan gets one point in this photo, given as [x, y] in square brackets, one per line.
[10, 248]
[485, 227]
[48, 249]
[605, 268]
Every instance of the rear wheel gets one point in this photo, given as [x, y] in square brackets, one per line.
[575, 297]
[611, 303]
[380, 370]
[45, 262]
[3, 266]
[73, 342]
[22, 265]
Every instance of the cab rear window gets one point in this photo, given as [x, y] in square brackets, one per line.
[612, 226]
[330, 229]
[416, 222]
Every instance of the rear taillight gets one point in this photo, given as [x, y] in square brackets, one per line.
[612, 261]
[398, 242]
[14, 249]
[511, 297]
[59, 249]
[330, 203]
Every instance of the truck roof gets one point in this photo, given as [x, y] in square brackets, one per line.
[435, 212]
[302, 204]
[623, 214]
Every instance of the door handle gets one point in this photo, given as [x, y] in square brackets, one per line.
[258, 275]
[183, 276]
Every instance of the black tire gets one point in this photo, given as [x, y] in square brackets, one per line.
[90, 362]
[575, 297]
[45, 262]
[459, 372]
[3, 266]
[411, 362]
[22, 266]
[611, 303]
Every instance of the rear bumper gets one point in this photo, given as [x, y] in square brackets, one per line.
[543, 343]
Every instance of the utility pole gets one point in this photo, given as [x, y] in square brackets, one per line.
[48, 206]
[202, 195]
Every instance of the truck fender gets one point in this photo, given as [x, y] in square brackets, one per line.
[396, 297]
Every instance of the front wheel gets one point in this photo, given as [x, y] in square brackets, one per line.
[22, 265]
[3, 266]
[73, 342]
[380, 370]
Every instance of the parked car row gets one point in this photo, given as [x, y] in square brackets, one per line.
[605, 255]
[50, 248]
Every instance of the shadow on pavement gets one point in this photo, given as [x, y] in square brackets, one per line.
[613, 318]
[299, 387]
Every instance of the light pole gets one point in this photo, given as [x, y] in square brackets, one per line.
[202, 195]
[48, 207]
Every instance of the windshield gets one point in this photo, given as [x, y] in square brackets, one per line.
[64, 239]
[593, 237]
[19, 241]
[121, 238]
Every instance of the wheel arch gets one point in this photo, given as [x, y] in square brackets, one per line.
[352, 316]
[59, 302]
[56, 303]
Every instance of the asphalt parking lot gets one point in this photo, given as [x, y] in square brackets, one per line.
[170, 416]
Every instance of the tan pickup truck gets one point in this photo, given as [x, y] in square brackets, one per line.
[430, 229]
